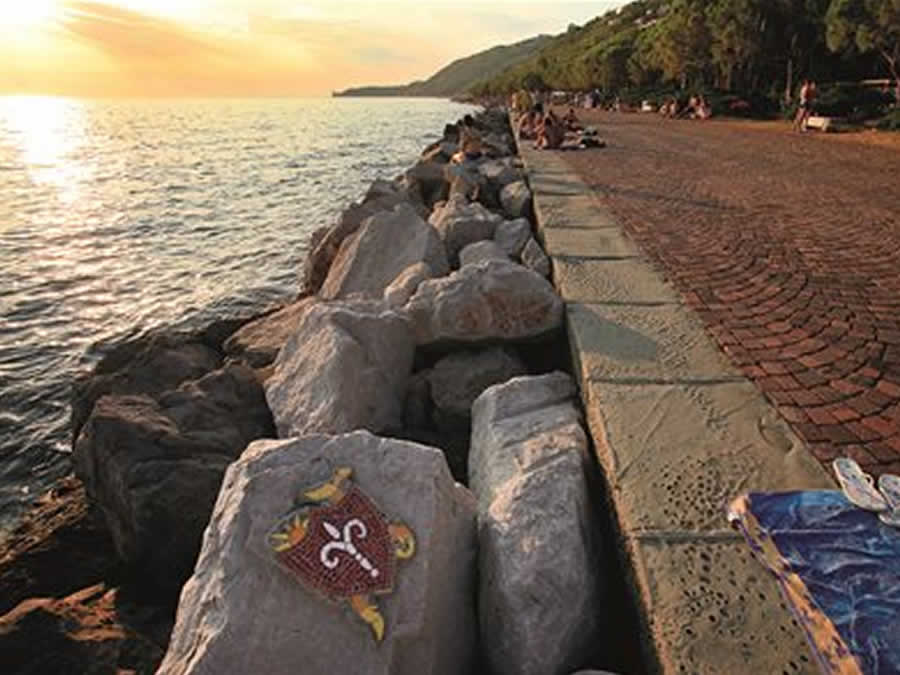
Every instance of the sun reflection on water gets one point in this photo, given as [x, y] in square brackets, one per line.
[49, 134]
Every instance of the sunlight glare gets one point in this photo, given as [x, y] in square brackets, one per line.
[49, 132]
[17, 16]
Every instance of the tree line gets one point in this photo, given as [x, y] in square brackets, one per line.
[761, 46]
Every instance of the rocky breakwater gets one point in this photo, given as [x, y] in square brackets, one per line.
[423, 295]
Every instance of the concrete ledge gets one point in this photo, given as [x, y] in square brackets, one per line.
[627, 342]
[678, 433]
[587, 243]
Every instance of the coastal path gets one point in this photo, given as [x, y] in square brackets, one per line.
[733, 317]
[787, 246]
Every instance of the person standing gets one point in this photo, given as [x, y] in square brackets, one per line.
[807, 93]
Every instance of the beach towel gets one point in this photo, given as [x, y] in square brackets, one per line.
[838, 568]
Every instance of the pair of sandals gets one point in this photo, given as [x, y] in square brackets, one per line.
[859, 487]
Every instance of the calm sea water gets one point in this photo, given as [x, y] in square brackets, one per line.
[118, 217]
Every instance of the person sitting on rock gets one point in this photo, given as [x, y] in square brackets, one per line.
[470, 140]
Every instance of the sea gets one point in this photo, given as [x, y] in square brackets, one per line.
[121, 216]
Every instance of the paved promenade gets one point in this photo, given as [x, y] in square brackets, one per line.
[788, 249]
[678, 430]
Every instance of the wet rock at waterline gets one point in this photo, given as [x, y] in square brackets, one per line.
[259, 342]
[149, 365]
[384, 246]
[154, 466]
[527, 467]
[487, 301]
[345, 368]
[240, 595]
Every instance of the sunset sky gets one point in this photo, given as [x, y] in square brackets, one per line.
[253, 47]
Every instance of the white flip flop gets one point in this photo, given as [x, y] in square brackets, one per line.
[858, 486]
[889, 486]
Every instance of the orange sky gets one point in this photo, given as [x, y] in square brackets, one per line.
[253, 47]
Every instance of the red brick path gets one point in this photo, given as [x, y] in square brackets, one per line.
[788, 247]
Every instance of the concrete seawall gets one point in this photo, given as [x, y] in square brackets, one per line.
[678, 432]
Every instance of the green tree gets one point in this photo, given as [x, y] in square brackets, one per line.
[737, 28]
[867, 26]
[681, 49]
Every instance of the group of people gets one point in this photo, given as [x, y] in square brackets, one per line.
[696, 109]
[546, 129]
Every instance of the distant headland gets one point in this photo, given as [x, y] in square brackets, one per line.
[457, 77]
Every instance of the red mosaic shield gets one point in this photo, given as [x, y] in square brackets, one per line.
[347, 549]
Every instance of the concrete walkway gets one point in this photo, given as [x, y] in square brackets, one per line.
[678, 432]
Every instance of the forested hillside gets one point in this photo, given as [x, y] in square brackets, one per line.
[761, 46]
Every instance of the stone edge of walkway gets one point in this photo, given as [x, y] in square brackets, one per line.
[678, 432]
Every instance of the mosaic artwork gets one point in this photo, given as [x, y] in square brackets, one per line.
[337, 543]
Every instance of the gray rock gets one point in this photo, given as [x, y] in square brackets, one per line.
[345, 368]
[326, 242]
[487, 301]
[481, 251]
[512, 235]
[527, 468]
[154, 467]
[516, 200]
[460, 223]
[146, 366]
[242, 613]
[534, 258]
[594, 672]
[428, 177]
[385, 245]
[459, 378]
[404, 286]
[500, 172]
[259, 342]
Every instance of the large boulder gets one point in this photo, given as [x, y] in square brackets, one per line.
[241, 612]
[326, 242]
[539, 596]
[481, 251]
[154, 466]
[427, 175]
[500, 172]
[485, 302]
[384, 246]
[516, 200]
[459, 378]
[258, 342]
[534, 258]
[402, 288]
[346, 367]
[460, 223]
[148, 365]
[512, 236]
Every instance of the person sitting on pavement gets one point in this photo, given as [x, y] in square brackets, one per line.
[571, 121]
[527, 128]
[551, 133]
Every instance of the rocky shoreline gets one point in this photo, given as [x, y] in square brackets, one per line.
[424, 350]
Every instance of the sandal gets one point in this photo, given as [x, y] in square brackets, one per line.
[889, 486]
[858, 486]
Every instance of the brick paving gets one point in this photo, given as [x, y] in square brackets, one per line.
[788, 247]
